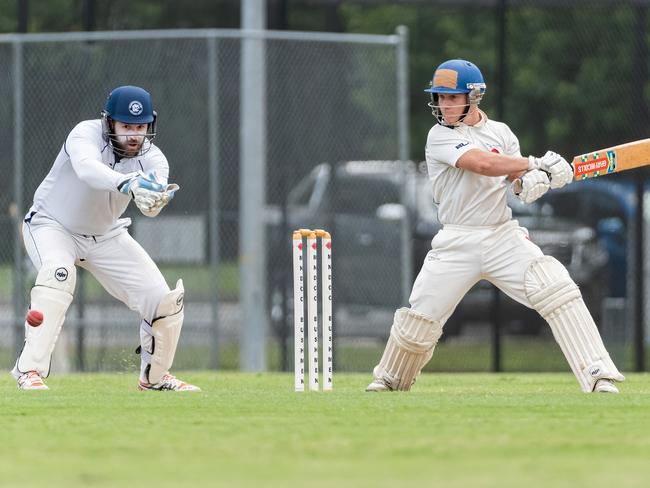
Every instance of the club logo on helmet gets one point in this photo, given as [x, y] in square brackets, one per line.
[447, 78]
[135, 107]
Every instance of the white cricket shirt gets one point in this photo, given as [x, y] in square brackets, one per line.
[80, 191]
[464, 197]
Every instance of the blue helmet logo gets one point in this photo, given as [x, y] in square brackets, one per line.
[135, 108]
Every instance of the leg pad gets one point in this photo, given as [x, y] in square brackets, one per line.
[51, 295]
[160, 340]
[556, 297]
[413, 337]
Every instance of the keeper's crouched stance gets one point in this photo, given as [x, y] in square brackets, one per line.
[470, 160]
[75, 221]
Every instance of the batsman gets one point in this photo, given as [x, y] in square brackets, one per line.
[471, 161]
[75, 220]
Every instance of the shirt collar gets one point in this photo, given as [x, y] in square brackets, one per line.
[481, 123]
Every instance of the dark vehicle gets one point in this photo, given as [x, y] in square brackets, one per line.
[608, 205]
[373, 208]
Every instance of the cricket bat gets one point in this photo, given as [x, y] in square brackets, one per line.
[611, 160]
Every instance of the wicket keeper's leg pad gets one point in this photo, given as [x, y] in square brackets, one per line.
[160, 340]
[51, 295]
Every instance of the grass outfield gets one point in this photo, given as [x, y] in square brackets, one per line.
[452, 430]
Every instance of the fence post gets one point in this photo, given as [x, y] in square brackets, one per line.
[252, 190]
[403, 130]
[213, 211]
[17, 209]
[495, 312]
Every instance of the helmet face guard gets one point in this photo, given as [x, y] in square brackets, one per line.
[129, 105]
[456, 76]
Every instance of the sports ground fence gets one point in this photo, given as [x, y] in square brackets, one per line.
[327, 97]
[319, 98]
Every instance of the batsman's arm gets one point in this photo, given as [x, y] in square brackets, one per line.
[491, 164]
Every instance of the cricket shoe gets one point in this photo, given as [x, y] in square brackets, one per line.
[31, 381]
[604, 385]
[168, 382]
[378, 385]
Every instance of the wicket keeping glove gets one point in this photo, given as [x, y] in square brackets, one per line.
[146, 192]
[163, 200]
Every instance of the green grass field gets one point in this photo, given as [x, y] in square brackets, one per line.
[452, 430]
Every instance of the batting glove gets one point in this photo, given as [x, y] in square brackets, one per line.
[559, 170]
[532, 185]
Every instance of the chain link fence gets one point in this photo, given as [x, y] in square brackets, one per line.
[571, 77]
[328, 98]
[566, 76]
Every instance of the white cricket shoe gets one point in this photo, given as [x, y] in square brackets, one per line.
[604, 385]
[31, 381]
[168, 382]
[378, 385]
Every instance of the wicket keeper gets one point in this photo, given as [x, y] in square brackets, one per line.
[102, 166]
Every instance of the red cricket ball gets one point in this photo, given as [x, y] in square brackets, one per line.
[34, 318]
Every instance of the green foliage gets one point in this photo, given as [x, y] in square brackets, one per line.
[55, 16]
[571, 81]
[435, 34]
[8, 22]
[573, 86]
[167, 14]
[451, 430]
[574, 80]
[67, 15]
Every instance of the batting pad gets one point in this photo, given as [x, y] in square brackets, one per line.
[159, 341]
[51, 295]
[556, 297]
[413, 337]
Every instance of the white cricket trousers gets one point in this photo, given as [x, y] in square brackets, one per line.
[460, 256]
[116, 260]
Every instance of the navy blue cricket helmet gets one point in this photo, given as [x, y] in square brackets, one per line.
[129, 105]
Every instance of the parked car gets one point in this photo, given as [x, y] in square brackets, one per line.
[368, 205]
[608, 205]
[365, 206]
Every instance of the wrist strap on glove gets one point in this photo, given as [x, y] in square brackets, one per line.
[139, 180]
